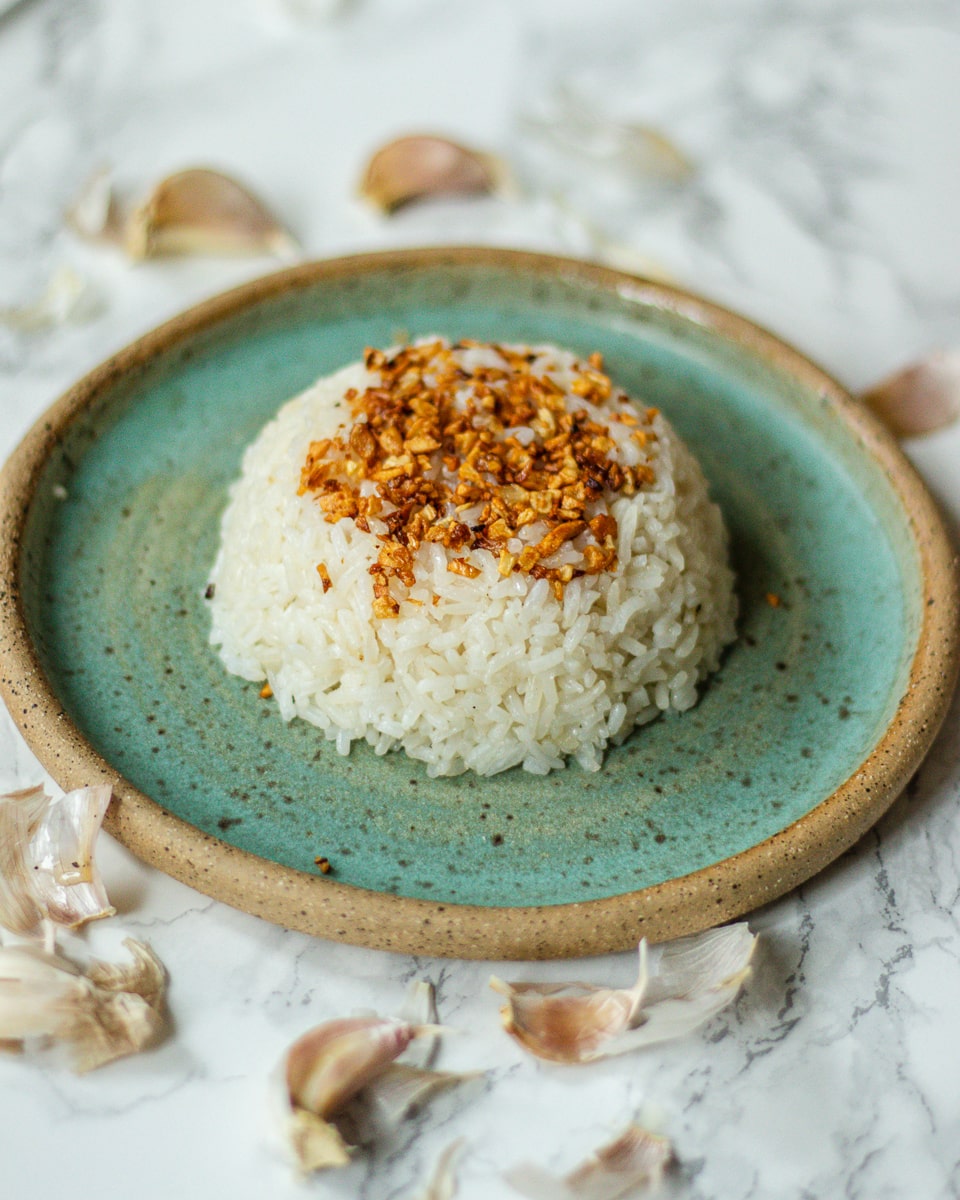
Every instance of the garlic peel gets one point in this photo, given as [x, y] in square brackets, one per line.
[66, 297]
[43, 994]
[443, 1181]
[921, 398]
[423, 165]
[47, 865]
[679, 986]
[634, 1159]
[95, 213]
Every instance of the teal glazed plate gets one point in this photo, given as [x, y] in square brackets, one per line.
[841, 673]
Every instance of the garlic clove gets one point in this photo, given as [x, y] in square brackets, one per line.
[680, 985]
[922, 398]
[328, 1066]
[199, 211]
[635, 1159]
[43, 994]
[421, 166]
[47, 866]
[570, 1022]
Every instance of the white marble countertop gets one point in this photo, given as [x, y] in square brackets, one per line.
[827, 206]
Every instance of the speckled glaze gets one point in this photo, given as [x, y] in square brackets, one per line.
[822, 709]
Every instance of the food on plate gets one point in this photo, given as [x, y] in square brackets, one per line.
[486, 555]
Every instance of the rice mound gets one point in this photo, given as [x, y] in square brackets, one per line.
[480, 673]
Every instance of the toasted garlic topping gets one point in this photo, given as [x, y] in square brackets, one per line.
[47, 868]
[680, 985]
[922, 398]
[422, 166]
[199, 211]
[103, 1013]
[633, 1160]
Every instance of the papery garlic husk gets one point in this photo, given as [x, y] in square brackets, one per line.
[635, 1159]
[95, 213]
[45, 995]
[635, 148]
[443, 1181]
[921, 398]
[199, 211]
[47, 866]
[67, 297]
[423, 165]
[408, 1083]
[680, 985]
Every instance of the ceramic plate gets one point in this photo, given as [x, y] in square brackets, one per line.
[824, 706]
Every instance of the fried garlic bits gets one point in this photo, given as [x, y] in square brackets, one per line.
[680, 985]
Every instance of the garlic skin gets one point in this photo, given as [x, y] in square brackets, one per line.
[66, 297]
[679, 985]
[640, 152]
[634, 1160]
[47, 866]
[199, 211]
[920, 398]
[97, 1013]
[422, 166]
[443, 1180]
[95, 214]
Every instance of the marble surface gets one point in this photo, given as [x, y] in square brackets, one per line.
[826, 204]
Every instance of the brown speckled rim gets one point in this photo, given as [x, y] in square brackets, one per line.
[321, 906]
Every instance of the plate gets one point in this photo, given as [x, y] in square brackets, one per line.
[825, 705]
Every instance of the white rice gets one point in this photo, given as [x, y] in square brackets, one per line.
[496, 673]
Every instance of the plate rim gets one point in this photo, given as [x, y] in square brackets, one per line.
[345, 912]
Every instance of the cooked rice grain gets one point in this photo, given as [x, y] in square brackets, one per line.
[480, 673]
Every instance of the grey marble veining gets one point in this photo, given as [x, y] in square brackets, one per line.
[826, 204]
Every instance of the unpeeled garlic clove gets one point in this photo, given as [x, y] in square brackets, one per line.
[423, 165]
[43, 994]
[47, 866]
[635, 1159]
[921, 398]
[679, 986]
[199, 211]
